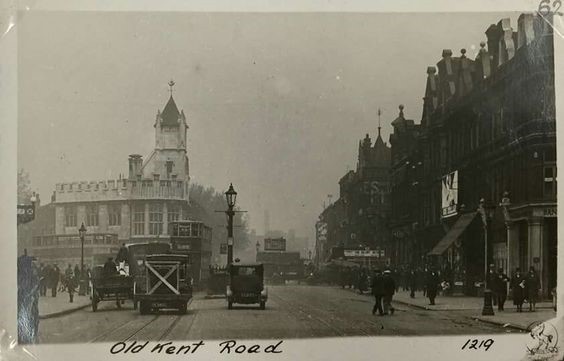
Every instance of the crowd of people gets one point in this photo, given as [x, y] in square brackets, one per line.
[523, 287]
[432, 282]
[51, 278]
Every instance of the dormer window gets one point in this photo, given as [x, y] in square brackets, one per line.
[156, 177]
[169, 164]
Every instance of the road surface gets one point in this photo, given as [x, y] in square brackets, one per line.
[292, 311]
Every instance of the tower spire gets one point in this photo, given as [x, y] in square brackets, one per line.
[170, 85]
[379, 124]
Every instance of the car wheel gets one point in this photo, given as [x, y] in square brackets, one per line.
[262, 305]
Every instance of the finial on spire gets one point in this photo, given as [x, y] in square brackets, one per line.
[379, 124]
[401, 110]
[171, 84]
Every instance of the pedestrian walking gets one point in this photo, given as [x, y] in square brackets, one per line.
[72, 283]
[432, 285]
[389, 286]
[378, 292]
[88, 280]
[500, 287]
[532, 287]
[517, 286]
[412, 279]
[362, 281]
[43, 279]
[54, 276]
[343, 277]
[490, 282]
[77, 272]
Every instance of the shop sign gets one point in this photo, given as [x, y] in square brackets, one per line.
[550, 212]
[275, 244]
[449, 194]
[372, 253]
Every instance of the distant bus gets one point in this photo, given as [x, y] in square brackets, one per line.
[138, 251]
[192, 238]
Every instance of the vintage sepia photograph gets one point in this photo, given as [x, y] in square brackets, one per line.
[214, 175]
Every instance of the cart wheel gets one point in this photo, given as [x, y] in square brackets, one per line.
[183, 309]
[229, 305]
[143, 307]
[262, 305]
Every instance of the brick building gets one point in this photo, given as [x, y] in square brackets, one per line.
[358, 219]
[487, 132]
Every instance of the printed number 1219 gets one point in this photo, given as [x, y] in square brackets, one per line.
[475, 344]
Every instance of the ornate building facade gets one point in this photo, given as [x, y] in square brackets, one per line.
[126, 210]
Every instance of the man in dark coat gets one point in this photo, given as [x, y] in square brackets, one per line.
[54, 278]
[532, 286]
[76, 272]
[43, 279]
[109, 267]
[517, 286]
[490, 283]
[122, 257]
[432, 285]
[378, 292]
[389, 286]
[412, 281]
[500, 287]
[362, 280]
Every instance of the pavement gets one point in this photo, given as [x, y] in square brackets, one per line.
[50, 307]
[292, 311]
[508, 318]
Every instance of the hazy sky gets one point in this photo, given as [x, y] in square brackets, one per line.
[276, 103]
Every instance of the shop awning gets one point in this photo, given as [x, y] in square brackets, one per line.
[461, 223]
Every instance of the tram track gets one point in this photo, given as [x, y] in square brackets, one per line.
[362, 326]
[293, 305]
[104, 335]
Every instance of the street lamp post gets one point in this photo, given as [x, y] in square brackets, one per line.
[486, 213]
[231, 197]
[82, 286]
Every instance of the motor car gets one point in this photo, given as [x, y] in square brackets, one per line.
[246, 285]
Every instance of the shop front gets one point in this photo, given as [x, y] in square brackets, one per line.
[532, 242]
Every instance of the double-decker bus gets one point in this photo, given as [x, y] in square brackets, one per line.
[192, 238]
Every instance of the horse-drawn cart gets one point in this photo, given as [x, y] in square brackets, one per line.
[116, 287]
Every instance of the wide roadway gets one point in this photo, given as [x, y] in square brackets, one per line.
[292, 311]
